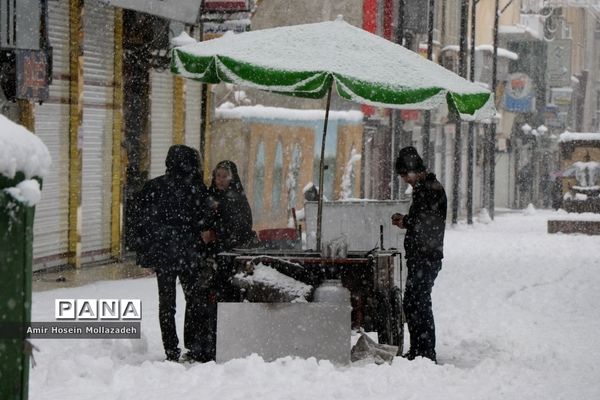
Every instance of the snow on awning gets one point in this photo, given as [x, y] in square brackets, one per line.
[182, 40]
[502, 52]
[579, 136]
[179, 10]
[279, 113]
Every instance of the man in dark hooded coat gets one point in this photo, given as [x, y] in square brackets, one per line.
[423, 244]
[172, 210]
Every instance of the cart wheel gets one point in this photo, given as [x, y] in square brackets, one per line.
[383, 312]
[397, 320]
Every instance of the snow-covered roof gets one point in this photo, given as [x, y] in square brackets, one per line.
[21, 151]
[182, 39]
[274, 113]
[579, 136]
[502, 52]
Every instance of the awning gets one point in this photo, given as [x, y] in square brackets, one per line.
[179, 10]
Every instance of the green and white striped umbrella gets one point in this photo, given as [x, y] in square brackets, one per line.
[305, 60]
[308, 60]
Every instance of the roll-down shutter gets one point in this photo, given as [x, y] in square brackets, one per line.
[161, 120]
[50, 245]
[193, 113]
[98, 75]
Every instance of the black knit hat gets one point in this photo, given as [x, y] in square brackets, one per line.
[408, 160]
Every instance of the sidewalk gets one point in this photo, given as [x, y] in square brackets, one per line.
[71, 277]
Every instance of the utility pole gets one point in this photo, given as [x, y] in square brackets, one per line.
[471, 140]
[425, 135]
[203, 103]
[464, 10]
[396, 120]
[492, 134]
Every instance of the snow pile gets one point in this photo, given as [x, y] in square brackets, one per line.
[484, 216]
[21, 151]
[516, 313]
[27, 192]
[269, 277]
[530, 210]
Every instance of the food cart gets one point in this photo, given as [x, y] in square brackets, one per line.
[371, 272]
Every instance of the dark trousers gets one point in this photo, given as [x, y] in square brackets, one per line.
[196, 311]
[417, 306]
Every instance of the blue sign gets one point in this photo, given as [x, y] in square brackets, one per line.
[522, 104]
[519, 95]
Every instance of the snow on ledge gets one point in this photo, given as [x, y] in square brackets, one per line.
[502, 52]
[583, 136]
[21, 151]
[274, 113]
[519, 29]
[562, 215]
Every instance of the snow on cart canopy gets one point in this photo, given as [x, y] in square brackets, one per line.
[306, 60]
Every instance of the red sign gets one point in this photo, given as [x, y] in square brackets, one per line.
[32, 75]
[226, 5]
[410, 115]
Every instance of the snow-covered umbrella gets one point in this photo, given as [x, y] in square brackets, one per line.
[308, 60]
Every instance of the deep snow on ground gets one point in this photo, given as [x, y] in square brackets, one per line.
[517, 316]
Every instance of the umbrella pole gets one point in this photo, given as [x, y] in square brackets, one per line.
[322, 172]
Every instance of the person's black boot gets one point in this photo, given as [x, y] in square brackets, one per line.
[173, 355]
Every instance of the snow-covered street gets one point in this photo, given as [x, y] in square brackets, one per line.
[517, 317]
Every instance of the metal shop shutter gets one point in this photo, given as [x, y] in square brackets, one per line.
[161, 120]
[50, 229]
[192, 113]
[98, 75]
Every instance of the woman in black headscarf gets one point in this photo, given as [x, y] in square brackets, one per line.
[230, 227]
[232, 216]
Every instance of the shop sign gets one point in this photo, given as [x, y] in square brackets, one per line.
[519, 93]
[32, 75]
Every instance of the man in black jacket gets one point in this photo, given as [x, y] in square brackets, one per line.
[423, 245]
[171, 212]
